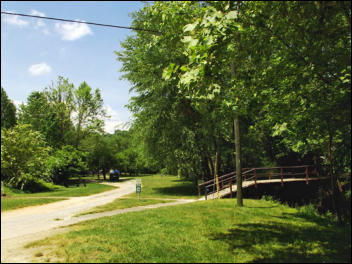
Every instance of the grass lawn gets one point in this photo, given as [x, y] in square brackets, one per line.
[124, 203]
[16, 199]
[205, 231]
[166, 186]
[14, 203]
[153, 186]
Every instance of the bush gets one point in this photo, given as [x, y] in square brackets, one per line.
[65, 163]
[24, 155]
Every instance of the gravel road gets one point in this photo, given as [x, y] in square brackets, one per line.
[31, 223]
[22, 226]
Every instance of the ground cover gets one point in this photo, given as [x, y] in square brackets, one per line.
[8, 203]
[17, 199]
[205, 231]
[166, 186]
[122, 203]
[155, 189]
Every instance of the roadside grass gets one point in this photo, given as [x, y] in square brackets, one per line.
[122, 203]
[17, 199]
[15, 202]
[61, 191]
[205, 231]
[154, 187]
[166, 186]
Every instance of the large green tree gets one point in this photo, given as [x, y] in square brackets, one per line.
[8, 111]
[89, 111]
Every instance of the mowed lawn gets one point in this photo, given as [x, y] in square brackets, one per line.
[155, 189]
[204, 231]
[166, 186]
[17, 199]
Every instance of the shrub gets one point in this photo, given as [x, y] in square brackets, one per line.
[67, 162]
[24, 155]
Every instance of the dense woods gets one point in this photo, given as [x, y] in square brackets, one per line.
[219, 86]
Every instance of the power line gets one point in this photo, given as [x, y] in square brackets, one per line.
[82, 22]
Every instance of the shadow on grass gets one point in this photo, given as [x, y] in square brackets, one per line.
[181, 190]
[278, 242]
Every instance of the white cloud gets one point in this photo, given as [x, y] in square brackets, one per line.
[39, 23]
[39, 69]
[72, 31]
[114, 122]
[14, 20]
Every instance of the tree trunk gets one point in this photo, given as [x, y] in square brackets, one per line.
[238, 162]
[333, 182]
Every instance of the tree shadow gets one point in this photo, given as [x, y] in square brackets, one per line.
[277, 242]
[183, 190]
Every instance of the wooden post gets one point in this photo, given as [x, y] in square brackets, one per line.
[269, 174]
[231, 187]
[198, 191]
[307, 177]
[255, 178]
[206, 192]
[282, 177]
[217, 186]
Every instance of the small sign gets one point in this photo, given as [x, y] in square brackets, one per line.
[138, 187]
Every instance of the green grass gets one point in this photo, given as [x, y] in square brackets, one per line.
[153, 187]
[15, 203]
[124, 203]
[206, 231]
[17, 199]
[61, 191]
[166, 186]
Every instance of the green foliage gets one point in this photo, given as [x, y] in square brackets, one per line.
[24, 155]
[8, 111]
[43, 117]
[89, 109]
[65, 163]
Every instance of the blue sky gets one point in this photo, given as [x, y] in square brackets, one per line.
[35, 51]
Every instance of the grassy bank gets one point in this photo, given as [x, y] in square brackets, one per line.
[207, 231]
[17, 199]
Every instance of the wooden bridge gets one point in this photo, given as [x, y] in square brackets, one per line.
[254, 176]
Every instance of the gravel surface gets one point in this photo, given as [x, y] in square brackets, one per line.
[31, 223]
[22, 226]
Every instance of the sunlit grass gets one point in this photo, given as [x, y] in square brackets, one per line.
[17, 199]
[15, 202]
[166, 186]
[124, 203]
[206, 231]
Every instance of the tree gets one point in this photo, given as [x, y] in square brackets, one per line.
[43, 117]
[65, 163]
[60, 96]
[24, 155]
[89, 110]
[8, 111]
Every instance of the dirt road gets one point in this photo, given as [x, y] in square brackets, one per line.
[22, 226]
[26, 224]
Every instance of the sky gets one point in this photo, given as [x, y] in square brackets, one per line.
[34, 52]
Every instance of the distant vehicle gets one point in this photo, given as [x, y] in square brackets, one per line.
[114, 175]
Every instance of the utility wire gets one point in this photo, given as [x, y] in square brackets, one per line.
[82, 22]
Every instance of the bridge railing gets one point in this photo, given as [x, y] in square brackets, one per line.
[258, 174]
